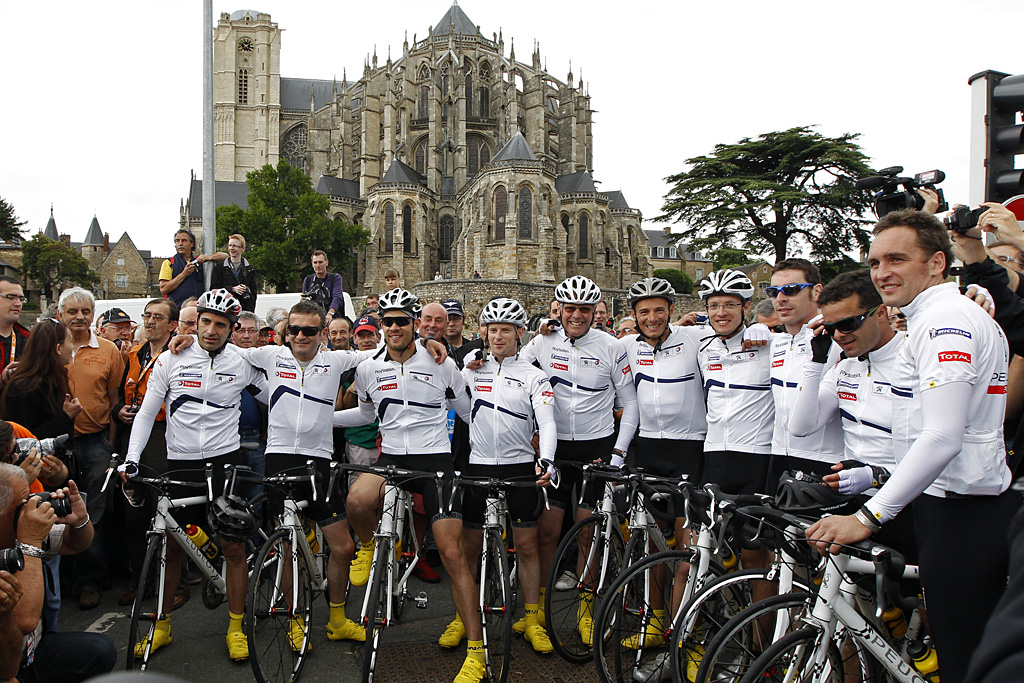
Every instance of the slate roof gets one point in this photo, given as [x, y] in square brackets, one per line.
[93, 236]
[50, 232]
[227, 192]
[750, 267]
[295, 92]
[338, 187]
[516, 148]
[403, 173]
[659, 238]
[615, 199]
[580, 181]
[456, 18]
[238, 15]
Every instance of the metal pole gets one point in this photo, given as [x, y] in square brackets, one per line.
[209, 181]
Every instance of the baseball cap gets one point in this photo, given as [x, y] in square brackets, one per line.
[367, 322]
[115, 315]
[453, 306]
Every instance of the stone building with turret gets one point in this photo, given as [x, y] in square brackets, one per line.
[456, 156]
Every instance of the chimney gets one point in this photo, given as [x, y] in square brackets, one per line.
[106, 243]
[668, 230]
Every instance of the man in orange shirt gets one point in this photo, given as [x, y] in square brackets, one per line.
[94, 374]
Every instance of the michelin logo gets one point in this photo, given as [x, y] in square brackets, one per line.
[938, 332]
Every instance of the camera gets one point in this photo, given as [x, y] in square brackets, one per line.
[963, 218]
[61, 506]
[194, 263]
[891, 198]
[12, 560]
[56, 446]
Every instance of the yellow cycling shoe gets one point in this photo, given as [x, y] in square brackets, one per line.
[297, 633]
[359, 573]
[238, 646]
[537, 637]
[161, 637]
[694, 656]
[453, 635]
[651, 637]
[347, 630]
[472, 671]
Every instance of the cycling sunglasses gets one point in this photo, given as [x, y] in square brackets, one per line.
[399, 320]
[848, 325]
[309, 331]
[788, 290]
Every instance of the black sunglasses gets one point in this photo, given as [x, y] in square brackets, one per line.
[788, 290]
[848, 325]
[310, 331]
[400, 320]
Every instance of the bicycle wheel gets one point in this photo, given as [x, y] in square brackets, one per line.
[790, 660]
[376, 611]
[273, 609]
[597, 563]
[145, 610]
[744, 637]
[497, 608]
[632, 624]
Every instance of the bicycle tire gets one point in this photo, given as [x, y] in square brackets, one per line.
[147, 599]
[742, 639]
[376, 605]
[268, 615]
[562, 609]
[788, 660]
[497, 608]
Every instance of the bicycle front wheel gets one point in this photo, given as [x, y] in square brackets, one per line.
[278, 615]
[146, 609]
[376, 610]
[791, 660]
[496, 608]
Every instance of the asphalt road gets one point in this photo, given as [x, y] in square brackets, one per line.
[410, 653]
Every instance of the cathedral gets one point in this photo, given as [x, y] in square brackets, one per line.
[458, 158]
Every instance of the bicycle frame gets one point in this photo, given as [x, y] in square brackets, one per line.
[291, 520]
[394, 516]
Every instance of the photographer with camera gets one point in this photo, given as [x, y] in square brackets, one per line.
[181, 276]
[31, 524]
[324, 288]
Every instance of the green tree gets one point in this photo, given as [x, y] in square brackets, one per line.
[679, 280]
[767, 193]
[10, 226]
[55, 266]
[728, 257]
[831, 267]
[286, 220]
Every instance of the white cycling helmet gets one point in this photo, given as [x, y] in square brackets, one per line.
[503, 311]
[650, 288]
[220, 301]
[726, 282]
[399, 299]
[577, 290]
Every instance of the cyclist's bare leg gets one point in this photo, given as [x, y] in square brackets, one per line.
[583, 545]
[472, 543]
[448, 536]
[236, 574]
[529, 563]
[339, 540]
[684, 539]
[172, 572]
[364, 498]
[549, 532]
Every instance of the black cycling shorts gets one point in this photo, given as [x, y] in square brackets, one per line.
[425, 486]
[571, 478]
[196, 514]
[670, 458]
[520, 500]
[318, 511]
[737, 473]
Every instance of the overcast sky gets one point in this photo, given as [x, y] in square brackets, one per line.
[101, 109]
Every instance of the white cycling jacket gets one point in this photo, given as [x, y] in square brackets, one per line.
[668, 384]
[740, 406]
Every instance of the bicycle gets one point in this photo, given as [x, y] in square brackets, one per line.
[287, 574]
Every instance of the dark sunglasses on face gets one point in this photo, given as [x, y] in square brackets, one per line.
[309, 331]
[788, 290]
[848, 325]
[401, 321]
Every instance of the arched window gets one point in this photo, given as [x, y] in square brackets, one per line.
[607, 256]
[389, 227]
[447, 237]
[243, 86]
[424, 103]
[485, 154]
[500, 212]
[525, 213]
[295, 145]
[424, 72]
[485, 102]
[485, 73]
[583, 250]
[477, 155]
[407, 228]
[565, 222]
[469, 89]
[421, 158]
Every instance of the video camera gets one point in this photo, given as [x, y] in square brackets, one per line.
[56, 446]
[891, 198]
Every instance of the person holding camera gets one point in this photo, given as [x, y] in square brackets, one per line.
[181, 276]
[235, 274]
[324, 288]
[30, 523]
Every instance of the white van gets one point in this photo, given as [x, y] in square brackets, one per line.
[264, 302]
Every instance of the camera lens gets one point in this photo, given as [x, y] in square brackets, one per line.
[61, 506]
[11, 560]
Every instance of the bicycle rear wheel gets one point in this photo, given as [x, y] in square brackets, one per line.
[597, 563]
[146, 609]
[376, 611]
[497, 607]
[791, 659]
[274, 610]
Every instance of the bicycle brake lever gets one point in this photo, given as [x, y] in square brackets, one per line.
[335, 469]
[110, 470]
[881, 560]
[439, 483]
[544, 491]
[311, 469]
[455, 487]
[208, 470]
[229, 484]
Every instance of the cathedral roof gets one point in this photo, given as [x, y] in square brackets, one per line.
[238, 15]
[580, 181]
[616, 200]
[516, 148]
[403, 173]
[227, 192]
[94, 236]
[295, 92]
[338, 187]
[50, 232]
[455, 18]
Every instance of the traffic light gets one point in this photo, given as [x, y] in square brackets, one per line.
[997, 133]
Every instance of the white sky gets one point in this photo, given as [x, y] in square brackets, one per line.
[101, 107]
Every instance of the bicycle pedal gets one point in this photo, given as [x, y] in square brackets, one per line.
[421, 600]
